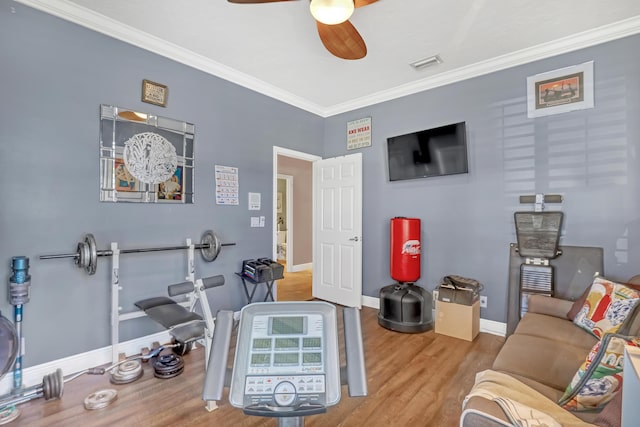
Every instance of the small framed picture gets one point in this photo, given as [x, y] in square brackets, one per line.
[172, 188]
[560, 91]
[123, 179]
[154, 93]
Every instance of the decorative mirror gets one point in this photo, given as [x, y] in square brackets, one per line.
[145, 158]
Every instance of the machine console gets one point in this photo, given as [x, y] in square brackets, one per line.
[287, 358]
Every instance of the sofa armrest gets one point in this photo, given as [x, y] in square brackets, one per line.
[481, 412]
[549, 305]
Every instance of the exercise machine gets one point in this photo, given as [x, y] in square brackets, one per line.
[538, 235]
[287, 362]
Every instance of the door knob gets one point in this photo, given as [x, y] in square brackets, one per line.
[354, 239]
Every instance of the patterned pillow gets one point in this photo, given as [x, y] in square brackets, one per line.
[607, 306]
[600, 376]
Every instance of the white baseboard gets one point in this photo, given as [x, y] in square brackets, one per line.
[494, 328]
[301, 267]
[489, 326]
[79, 362]
[371, 302]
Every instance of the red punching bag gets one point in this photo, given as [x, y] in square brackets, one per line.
[405, 249]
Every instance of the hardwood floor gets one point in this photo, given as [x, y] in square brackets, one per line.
[295, 286]
[413, 380]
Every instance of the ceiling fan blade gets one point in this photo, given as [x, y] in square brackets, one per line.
[342, 40]
[360, 3]
[256, 1]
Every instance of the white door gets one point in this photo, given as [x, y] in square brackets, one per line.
[337, 230]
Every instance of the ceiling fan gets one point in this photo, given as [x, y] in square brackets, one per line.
[338, 35]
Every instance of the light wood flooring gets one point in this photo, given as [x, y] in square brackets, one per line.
[295, 286]
[413, 380]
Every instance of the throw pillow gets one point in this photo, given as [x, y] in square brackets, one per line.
[634, 283]
[606, 307]
[599, 378]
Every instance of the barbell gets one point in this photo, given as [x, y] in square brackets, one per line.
[86, 255]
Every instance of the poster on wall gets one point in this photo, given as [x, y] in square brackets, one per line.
[560, 91]
[226, 185]
[359, 133]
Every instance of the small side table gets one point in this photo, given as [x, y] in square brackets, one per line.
[248, 280]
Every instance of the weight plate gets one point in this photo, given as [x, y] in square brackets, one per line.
[83, 255]
[93, 254]
[9, 414]
[168, 366]
[209, 246]
[53, 385]
[100, 399]
[127, 372]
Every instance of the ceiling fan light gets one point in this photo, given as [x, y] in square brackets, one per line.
[331, 12]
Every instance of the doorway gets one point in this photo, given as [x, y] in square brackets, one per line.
[293, 225]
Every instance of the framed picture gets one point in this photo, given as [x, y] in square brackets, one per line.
[154, 93]
[123, 179]
[172, 188]
[560, 91]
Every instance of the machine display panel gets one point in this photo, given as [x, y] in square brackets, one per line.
[288, 359]
[262, 343]
[311, 358]
[287, 343]
[290, 325]
[260, 359]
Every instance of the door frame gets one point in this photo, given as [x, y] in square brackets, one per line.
[281, 151]
[288, 214]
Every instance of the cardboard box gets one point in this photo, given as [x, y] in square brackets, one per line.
[458, 320]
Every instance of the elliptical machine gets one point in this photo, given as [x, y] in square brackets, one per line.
[404, 306]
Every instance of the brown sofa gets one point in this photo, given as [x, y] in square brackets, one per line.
[544, 352]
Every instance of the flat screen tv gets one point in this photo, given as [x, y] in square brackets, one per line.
[431, 152]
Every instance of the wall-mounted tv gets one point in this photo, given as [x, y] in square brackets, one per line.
[431, 152]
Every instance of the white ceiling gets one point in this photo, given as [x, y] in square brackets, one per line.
[274, 48]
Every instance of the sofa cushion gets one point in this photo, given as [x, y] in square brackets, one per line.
[611, 415]
[607, 307]
[551, 363]
[563, 330]
[599, 378]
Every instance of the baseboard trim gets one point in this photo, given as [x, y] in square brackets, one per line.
[488, 326]
[371, 302]
[301, 267]
[494, 328]
[78, 362]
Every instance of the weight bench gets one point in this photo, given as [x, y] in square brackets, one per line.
[184, 325]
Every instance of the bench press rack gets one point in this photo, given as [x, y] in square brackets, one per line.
[87, 254]
[117, 316]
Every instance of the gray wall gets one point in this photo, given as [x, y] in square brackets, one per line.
[53, 81]
[589, 156]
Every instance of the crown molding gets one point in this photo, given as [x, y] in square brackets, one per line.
[568, 44]
[97, 22]
[87, 18]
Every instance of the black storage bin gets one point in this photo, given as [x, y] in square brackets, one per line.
[405, 308]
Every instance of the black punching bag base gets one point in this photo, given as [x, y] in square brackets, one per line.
[405, 307]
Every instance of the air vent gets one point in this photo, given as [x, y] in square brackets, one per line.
[426, 62]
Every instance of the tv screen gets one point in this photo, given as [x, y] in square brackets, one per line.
[431, 152]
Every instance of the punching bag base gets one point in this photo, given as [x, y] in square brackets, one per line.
[405, 307]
